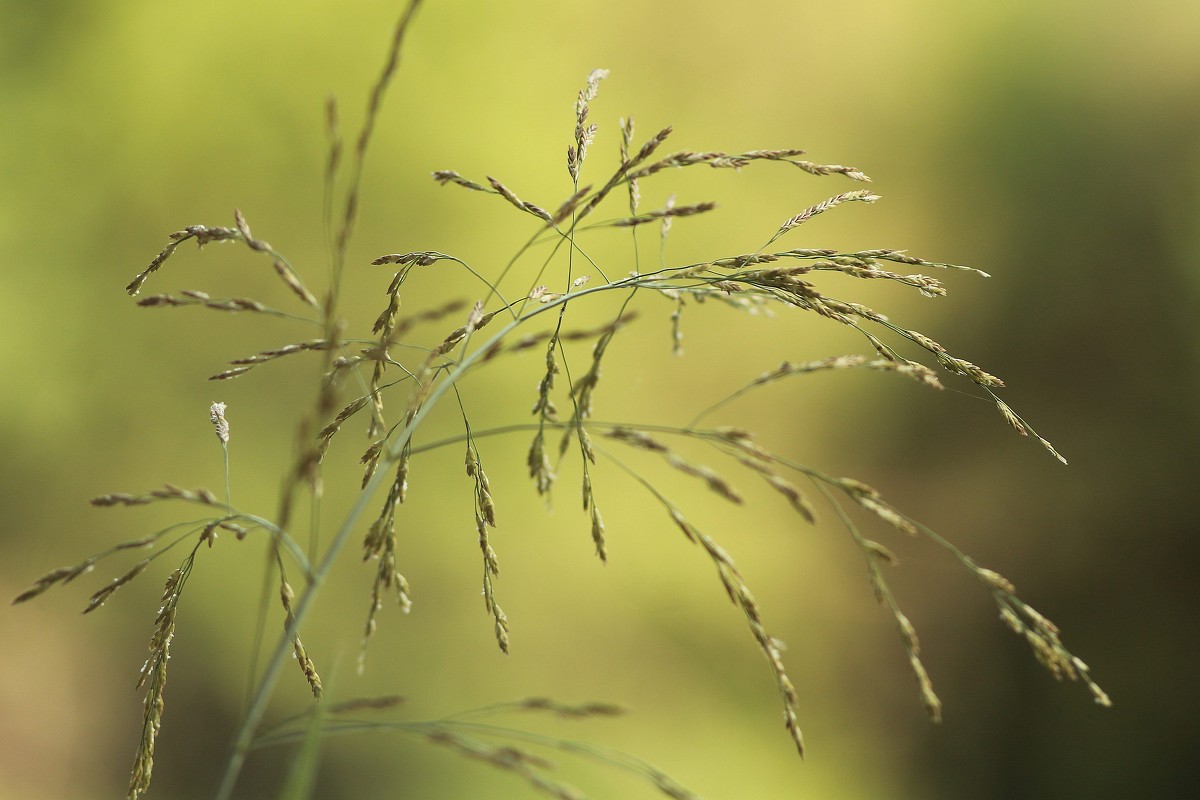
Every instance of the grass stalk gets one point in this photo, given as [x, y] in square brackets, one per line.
[748, 282]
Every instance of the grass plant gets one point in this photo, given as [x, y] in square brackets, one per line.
[386, 375]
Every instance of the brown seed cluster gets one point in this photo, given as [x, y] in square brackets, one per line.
[485, 517]
[286, 595]
[153, 676]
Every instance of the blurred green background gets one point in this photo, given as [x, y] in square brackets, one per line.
[1052, 144]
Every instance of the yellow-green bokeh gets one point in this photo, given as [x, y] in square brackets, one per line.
[1052, 144]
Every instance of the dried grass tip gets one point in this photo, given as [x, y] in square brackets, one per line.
[220, 424]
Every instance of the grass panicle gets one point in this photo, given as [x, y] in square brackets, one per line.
[485, 517]
[364, 370]
[286, 595]
[168, 492]
[473, 734]
[153, 677]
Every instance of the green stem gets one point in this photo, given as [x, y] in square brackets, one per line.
[228, 494]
